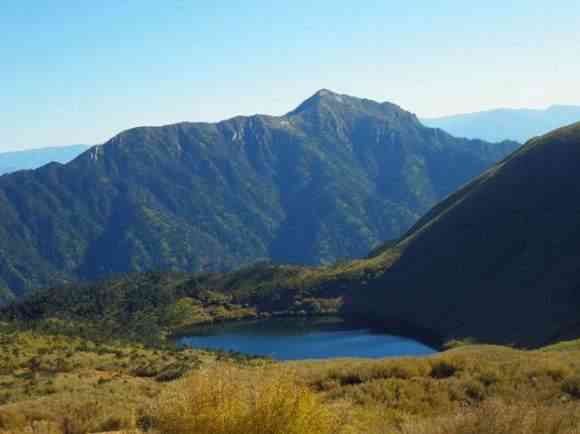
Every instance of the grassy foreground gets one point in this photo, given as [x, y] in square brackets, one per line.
[64, 385]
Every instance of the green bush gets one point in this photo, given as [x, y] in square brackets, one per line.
[571, 386]
[442, 369]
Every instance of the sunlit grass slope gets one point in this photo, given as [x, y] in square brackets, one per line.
[58, 384]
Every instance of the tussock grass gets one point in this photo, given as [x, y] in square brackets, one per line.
[69, 416]
[470, 389]
[497, 417]
[228, 400]
[34, 365]
[449, 382]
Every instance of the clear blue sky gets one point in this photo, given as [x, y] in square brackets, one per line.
[81, 71]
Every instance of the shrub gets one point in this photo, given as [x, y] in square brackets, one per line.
[474, 390]
[571, 386]
[229, 400]
[442, 369]
[489, 377]
[145, 371]
[172, 373]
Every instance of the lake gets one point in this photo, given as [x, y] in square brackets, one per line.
[303, 338]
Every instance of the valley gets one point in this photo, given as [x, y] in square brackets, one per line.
[306, 217]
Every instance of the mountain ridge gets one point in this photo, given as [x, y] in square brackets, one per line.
[495, 262]
[12, 161]
[329, 180]
[507, 123]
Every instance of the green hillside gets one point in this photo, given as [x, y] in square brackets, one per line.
[5, 295]
[328, 181]
[497, 260]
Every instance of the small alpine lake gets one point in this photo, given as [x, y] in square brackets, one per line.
[302, 338]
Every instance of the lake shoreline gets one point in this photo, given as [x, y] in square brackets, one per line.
[388, 327]
[304, 337]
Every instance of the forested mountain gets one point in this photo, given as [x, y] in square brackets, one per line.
[499, 259]
[329, 180]
[34, 158]
[496, 261]
[507, 124]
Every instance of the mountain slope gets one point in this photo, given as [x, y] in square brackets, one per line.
[503, 124]
[5, 296]
[34, 158]
[330, 179]
[499, 259]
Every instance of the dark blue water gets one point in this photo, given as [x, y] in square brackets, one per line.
[303, 338]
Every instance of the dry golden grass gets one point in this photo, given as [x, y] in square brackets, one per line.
[72, 415]
[497, 417]
[72, 385]
[230, 400]
[564, 346]
[35, 365]
[473, 389]
[447, 383]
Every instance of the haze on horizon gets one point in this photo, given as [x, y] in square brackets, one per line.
[77, 73]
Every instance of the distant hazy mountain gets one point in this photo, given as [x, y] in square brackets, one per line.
[33, 158]
[507, 124]
[499, 259]
[329, 180]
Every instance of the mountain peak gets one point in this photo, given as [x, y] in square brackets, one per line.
[321, 97]
[325, 93]
[325, 100]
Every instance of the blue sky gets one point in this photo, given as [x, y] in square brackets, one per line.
[81, 71]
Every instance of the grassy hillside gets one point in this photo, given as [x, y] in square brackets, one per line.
[82, 385]
[5, 295]
[329, 180]
[496, 260]
[57, 384]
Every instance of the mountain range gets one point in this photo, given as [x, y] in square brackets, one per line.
[493, 125]
[329, 180]
[496, 261]
[507, 124]
[34, 158]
